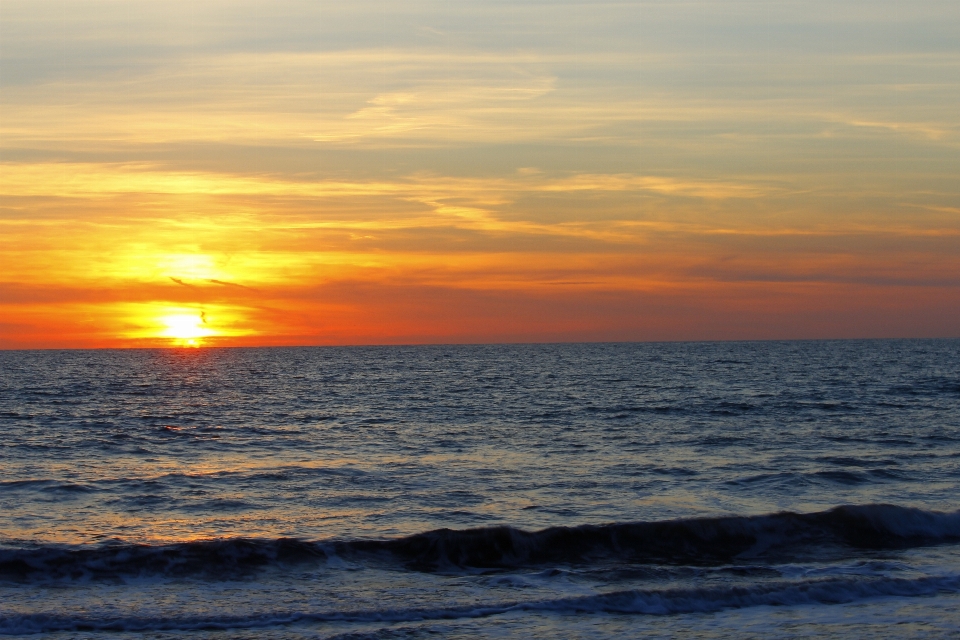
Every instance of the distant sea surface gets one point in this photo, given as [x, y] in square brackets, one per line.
[754, 489]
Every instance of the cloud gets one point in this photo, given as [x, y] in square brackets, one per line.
[230, 284]
[182, 283]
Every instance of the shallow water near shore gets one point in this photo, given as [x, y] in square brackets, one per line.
[771, 489]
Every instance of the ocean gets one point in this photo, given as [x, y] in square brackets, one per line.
[703, 490]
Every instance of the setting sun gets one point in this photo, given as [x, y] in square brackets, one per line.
[186, 328]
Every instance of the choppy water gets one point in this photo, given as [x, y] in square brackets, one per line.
[531, 491]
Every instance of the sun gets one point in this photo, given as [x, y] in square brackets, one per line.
[163, 325]
[188, 329]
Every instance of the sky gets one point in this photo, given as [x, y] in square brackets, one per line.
[312, 172]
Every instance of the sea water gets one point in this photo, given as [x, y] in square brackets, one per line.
[755, 489]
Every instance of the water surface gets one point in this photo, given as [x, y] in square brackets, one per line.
[584, 490]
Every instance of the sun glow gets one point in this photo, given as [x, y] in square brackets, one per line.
[188, 329]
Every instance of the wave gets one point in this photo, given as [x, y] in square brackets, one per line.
[696, 541]
[215, 559]
[773, 538]
[629, 602]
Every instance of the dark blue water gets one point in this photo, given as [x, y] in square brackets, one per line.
[765, 489]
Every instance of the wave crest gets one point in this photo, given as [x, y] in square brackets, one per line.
[769, 538]
[697, 541]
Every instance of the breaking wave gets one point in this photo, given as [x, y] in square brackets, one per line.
[696, 541]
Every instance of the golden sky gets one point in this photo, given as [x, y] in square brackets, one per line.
[293, 172]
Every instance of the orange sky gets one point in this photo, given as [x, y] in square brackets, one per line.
[253, 173]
